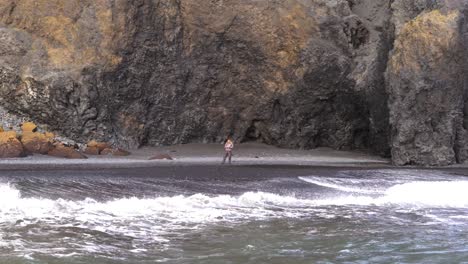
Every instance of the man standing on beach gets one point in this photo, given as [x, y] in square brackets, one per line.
[228, 146]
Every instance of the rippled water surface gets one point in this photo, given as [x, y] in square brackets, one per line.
[234, 215]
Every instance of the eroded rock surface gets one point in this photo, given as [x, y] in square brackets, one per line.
[426, 89]
[343, 74]
[165, 72]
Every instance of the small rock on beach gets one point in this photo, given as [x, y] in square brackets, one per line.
[161, 157]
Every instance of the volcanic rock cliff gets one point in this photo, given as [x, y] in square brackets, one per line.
[378, 74]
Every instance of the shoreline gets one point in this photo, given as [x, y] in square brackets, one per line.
[251, 154]
[210, 155]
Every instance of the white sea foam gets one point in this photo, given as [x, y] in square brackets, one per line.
[344, 184]
[201, 208]
[154, 218]
[197, 208]
[413, 194]
[437, 194]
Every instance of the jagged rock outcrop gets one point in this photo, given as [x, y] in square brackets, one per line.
[426, 88]
[426, 84]
[343, 74]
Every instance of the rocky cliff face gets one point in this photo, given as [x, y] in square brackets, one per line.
[426, 84]
[293, 73]
[426, 90]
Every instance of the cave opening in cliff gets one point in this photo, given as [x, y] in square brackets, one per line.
[254, 133]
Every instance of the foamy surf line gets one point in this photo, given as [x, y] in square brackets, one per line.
[201, 208]
[152, 219]
[340, 184]
[416, 193]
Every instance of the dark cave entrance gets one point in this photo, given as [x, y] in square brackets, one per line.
[254, 133]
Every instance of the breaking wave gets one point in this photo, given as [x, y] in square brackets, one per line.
[414, 194]
[201, 208]
[156, 219]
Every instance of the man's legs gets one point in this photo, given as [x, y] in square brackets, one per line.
[225, 156]
[230, 156]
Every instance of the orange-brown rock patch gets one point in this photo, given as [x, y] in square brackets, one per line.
[61, 151]
[28, 127]
[35, 142]
[91, 151]
[98, 145]
[10, 146]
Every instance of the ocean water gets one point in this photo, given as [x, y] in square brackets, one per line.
[212, 216]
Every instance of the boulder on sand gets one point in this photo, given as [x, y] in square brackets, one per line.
[10, 146]
[62, 151]
[35, 142]
[100, 146]
[91, 150]
[95, 148]
[161, 157]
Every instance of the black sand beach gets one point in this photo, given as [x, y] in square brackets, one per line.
[204, 155]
